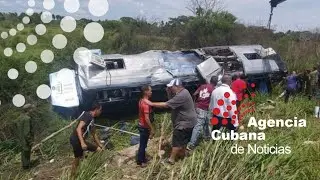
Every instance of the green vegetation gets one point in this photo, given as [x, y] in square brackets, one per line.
[211, 160]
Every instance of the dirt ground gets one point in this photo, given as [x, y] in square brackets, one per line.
[46, 170]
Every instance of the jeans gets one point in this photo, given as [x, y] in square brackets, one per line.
[202, 124]
[144, 137]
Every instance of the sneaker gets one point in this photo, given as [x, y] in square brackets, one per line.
[189, 147]
[142, 165]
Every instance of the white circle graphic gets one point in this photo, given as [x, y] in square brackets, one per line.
[21, 47]
[98, 7]
[32, 39]
[81, 56]
[71, 6]
[47, 56]
[8, 52]
[29, 12]
[59, 41]
[93, 32]
[4, 35]
[43, 91]
[12, 32]
[26, 20]
[46, 17]
[13, 73]
[68, 24]
[31, 3]
[18, 100]
[48, 4]
[20, 27]
[31, 66]
[41, 29]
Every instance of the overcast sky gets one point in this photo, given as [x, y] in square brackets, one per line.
[292, 14]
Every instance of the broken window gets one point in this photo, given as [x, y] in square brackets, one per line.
[252, 56]
[114, 64]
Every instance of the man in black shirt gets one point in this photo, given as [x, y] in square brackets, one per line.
[78, 136]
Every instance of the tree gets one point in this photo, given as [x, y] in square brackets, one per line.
[202, 7]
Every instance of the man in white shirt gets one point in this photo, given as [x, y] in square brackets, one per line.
[223, 106]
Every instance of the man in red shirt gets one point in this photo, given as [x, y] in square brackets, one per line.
[202, 97]
[239, 86]
[146, 129]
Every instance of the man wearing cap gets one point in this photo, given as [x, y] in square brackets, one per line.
[25, 134]
[183, 117]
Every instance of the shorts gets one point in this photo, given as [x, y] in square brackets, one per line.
[181, 137]
[77, 149]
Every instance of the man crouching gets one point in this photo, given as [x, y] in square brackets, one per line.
[80, 133]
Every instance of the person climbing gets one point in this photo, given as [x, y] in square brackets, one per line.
[202, 99]
[145, 127]
[25, 134]
[80, 134]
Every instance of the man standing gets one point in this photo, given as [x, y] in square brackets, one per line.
[202, 97]
[25, 134]
[146, 129]
[239, 86]
[183, 117]
[80, 134]
[223, 106]
[291, 86]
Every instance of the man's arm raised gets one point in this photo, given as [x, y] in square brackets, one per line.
[157, 104]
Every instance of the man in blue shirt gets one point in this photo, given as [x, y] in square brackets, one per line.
[291, 86]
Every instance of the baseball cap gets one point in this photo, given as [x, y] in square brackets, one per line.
[175, 82]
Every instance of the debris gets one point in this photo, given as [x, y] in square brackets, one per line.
[265, 107]
[310, 142]
[282, 94]
[120, 130]
[130, 177]
[51, 161]
[271, 102]
[134, 140]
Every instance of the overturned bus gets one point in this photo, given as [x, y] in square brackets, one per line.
[114, 80]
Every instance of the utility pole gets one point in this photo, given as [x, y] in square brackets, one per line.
[270, 18]
[273, 4]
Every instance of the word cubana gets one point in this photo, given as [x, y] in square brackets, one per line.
[263, 123]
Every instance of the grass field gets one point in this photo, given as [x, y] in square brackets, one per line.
[210, 160]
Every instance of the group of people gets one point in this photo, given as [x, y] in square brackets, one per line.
[217, 101]
[189, 116]
[211, 106]
[307, 82]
